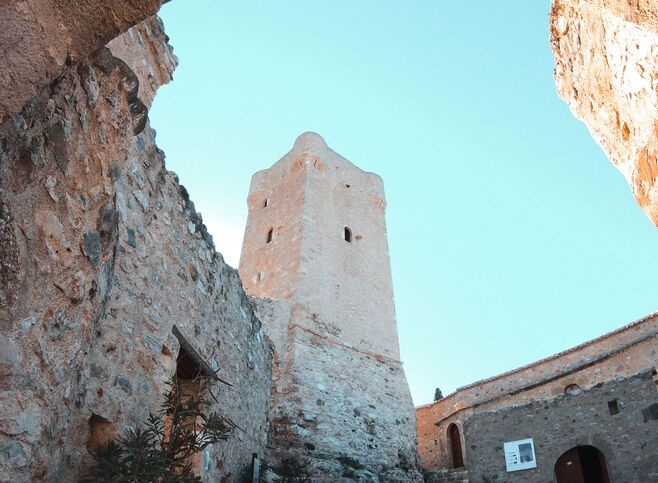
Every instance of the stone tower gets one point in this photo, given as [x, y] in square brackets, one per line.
[315, 259]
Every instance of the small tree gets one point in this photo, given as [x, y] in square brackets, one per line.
[437, 394]
[162, 450]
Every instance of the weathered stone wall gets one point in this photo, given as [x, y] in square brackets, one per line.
[343, 411]
[621, 353]
[606, 70]
[628, 440]
[341, 401]
[275, 316]
[101, 254]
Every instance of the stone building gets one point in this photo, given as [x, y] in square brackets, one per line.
[600, 395]
[315, 253]
[606, 433]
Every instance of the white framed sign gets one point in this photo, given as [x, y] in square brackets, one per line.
[520, 455]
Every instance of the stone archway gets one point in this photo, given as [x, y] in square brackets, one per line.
[582, 464]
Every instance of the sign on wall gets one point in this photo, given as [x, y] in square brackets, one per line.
[520, 455]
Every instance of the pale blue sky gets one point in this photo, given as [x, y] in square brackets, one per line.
[511, 235]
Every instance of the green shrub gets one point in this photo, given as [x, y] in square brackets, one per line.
[162, 449]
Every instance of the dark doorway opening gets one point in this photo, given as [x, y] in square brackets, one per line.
[582, 464]
[192, 374]
[455, 443]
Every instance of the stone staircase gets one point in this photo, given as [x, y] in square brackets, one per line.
[458, 475]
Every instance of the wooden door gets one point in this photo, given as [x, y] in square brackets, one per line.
[604, 468]
[568, 468]
[456, 446]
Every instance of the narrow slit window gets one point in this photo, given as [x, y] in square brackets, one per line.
[266, 202]
[269, 235]
[348, 235]
[613, 407]
[260, 276]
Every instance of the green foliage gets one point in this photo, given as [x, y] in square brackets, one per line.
[437, 394]
[292, 469]
[162, 449]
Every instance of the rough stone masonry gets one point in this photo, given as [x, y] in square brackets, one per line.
[628, 438]
[106, 271]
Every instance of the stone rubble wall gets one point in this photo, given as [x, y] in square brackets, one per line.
[619, 354]
[274, 315]
[606, 70]
[341, 412]
[459, 475]
[101, 254]
[628, 440]
[337, 409]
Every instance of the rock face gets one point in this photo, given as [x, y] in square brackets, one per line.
[38, 40]
[315, 246]
[606, 70]
[106, 271]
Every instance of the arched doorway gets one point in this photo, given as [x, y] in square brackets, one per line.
[455, 443]
[582, 464]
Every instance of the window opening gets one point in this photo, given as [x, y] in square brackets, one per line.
[572, 389]
[348, 235]
[266, 202]
[269, 235]
[613, 407]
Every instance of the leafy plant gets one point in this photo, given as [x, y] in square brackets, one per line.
[293, 469]
[163, 449]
